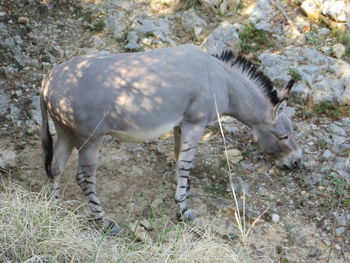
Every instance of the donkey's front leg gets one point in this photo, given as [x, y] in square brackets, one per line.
[190, 135]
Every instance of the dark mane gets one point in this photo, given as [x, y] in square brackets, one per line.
[252, 72]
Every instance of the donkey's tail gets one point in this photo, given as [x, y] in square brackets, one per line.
[46, 138]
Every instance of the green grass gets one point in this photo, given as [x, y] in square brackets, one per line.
[253, 40]
[98, 26]
[294, 73]
[325, 108]
[343, 38]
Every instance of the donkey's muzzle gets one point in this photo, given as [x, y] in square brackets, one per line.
[292, 160]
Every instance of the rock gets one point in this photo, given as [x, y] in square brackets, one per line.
[192, 23]
[116, 24]
[335, 9]
[240, 186]
[97, 42]
[335, 129]
[8, 158]
[315, 179]
[220, 6]
[165, 7]
[315, 252]
[10, 72]
[157, 29]
[234, 155]
[4, 102]
[159, 26]
[263, 15]
[23, 20]
[328, 90]
[132, 41]
[275, 218]
[224, 37]
[324, 32]
[146, 224]
[139, 232]
[338, 50]
[301, 92]
[311, 8]
[326, 156]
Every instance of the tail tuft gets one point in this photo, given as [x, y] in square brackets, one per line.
[46, 139]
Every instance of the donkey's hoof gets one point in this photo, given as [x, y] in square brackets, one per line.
[188, 215]
[112, 229]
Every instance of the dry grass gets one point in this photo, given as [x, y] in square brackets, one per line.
[33, 229]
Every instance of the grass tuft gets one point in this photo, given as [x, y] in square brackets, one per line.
[33, 229]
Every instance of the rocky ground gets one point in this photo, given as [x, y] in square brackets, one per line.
[308, 210]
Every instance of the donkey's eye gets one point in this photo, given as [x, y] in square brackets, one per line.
[283, 137]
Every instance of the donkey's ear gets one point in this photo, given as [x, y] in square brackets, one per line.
[284, 93]
[279, 108]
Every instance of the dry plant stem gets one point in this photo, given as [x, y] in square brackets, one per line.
[333, 230]
[105, 113]
[240, 222]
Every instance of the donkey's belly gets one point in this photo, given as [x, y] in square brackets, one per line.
[141, 135]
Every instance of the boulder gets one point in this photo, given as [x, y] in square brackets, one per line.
[220, 6]
[8, 158]
[337, 10]
[311, 8]
[192, 23]
[224, 37]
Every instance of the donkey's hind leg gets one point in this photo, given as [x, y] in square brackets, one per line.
[61, 152]
[86, 178]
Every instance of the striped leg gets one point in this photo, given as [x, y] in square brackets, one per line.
[62, 150]
[86, 178]
[190, 135]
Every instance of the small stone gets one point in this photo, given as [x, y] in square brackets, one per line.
[335, 129]
[139, 232]
[23, 20]
[8, 158]
[324, 32]
[338, 50]
[275, 218]
[315, 179]
[315, 252]
[327, 154]
[337, 247]
[234, 155]
[146, 224]
[340, 230]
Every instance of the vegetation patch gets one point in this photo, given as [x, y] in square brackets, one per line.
[253, 39]
[343, 38]
[33, 229]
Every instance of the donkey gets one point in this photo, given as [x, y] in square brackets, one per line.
[140, 96]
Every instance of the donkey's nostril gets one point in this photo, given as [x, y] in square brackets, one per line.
[296, 164]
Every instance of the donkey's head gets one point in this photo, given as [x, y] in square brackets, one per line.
[277, 138]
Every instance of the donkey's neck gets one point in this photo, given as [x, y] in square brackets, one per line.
[248, 103]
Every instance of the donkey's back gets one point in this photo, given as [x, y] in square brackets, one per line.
[139, 96]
